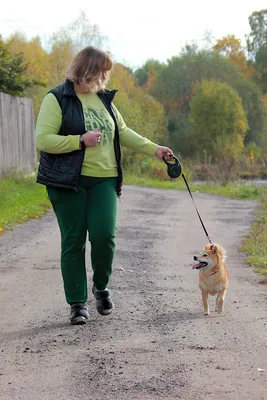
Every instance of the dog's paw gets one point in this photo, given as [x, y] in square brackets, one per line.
[207, 313]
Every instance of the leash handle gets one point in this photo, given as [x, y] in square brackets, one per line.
[173, 170]
[203, 226]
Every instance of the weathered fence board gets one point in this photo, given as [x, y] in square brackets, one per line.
[17, 137]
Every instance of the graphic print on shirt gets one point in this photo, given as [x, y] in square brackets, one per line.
[95, 119]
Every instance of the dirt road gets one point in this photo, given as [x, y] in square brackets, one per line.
[157, 344]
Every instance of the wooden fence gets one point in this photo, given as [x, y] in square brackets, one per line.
[17, 131]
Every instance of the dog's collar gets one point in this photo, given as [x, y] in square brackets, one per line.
[215, 272]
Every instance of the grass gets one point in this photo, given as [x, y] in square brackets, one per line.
[21, 199]
[255, 244]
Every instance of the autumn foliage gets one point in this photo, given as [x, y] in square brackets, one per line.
[209, 105]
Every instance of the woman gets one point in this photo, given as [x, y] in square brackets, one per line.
[79, 132]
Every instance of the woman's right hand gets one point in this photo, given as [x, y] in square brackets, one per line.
[92, 138]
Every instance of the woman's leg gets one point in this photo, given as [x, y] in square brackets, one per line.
[102, 216]
[70, 210]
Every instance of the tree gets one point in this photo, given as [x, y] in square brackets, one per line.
[217, 127]
[175, 84]
[13, 77]
[257, 45]
[69, 40]
[81, 33]
[36, 64]
[257, 38]
[230, 47]
[261, 66]
[35, 57]
[216, 110]
[59, 57]
[78, 34]
[147, 75]
[140, 110]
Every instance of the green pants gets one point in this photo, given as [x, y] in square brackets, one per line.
[92, 209]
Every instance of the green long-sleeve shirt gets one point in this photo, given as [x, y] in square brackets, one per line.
[99, 161]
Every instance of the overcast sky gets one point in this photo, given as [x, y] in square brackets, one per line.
[136, 30]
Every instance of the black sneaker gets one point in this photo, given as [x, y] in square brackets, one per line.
[104, 304]
[78, 313]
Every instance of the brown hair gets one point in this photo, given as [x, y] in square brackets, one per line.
[91, 66]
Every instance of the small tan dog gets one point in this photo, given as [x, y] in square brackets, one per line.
[213, 275]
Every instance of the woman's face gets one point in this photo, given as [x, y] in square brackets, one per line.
[93, 85]
[98, 82]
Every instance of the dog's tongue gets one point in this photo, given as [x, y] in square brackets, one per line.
[196, 266]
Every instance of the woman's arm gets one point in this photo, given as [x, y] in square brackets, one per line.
[47, 128]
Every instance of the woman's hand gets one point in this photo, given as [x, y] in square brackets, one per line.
[92, 138]
[163, 151]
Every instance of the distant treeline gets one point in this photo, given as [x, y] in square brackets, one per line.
[208, 104]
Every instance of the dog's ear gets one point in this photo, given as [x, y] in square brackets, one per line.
[213, 248]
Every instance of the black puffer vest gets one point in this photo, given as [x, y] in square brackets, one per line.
[63, 170]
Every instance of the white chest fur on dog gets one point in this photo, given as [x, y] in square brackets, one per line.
[211, 289]
[213, 275]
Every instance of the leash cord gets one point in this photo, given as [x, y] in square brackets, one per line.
[205, 230]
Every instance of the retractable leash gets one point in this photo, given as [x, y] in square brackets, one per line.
[174, 171]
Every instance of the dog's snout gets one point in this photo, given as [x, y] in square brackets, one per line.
[195, 258]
